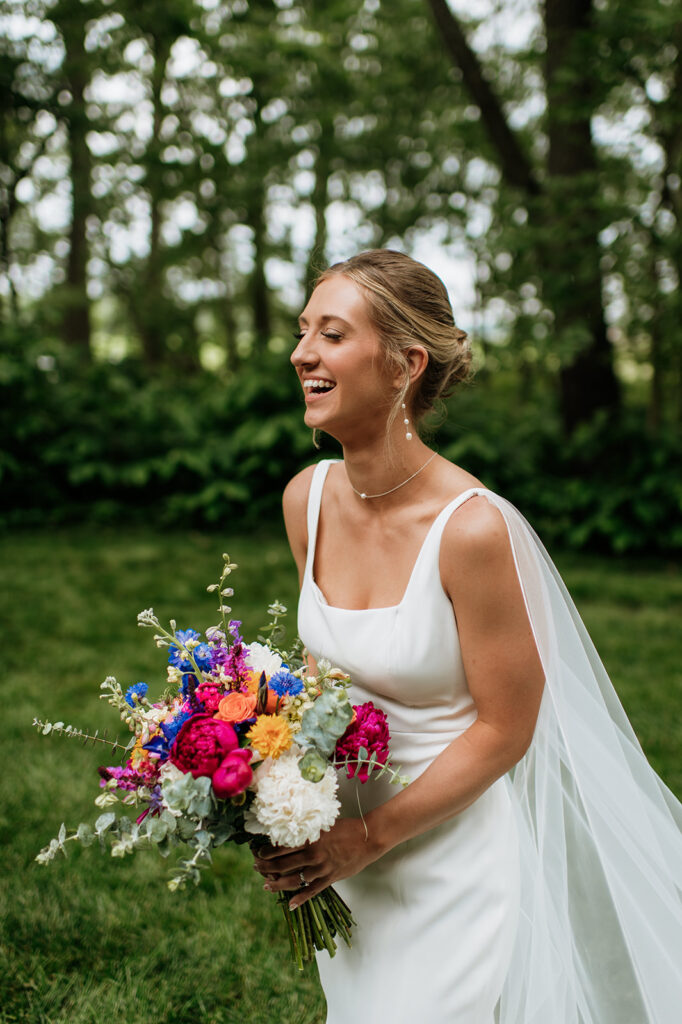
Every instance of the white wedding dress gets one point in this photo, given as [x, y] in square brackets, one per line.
[555, 897]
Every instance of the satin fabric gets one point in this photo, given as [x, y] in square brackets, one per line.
[583, 837]
[437, 916]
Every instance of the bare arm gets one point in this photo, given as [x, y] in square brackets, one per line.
[505, 679]
[295, 507]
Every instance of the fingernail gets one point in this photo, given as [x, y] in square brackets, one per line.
[292, 906]
[267, 887]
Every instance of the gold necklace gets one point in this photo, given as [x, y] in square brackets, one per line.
[361, 494]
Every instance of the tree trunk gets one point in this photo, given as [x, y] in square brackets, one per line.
[258, 286]
[150, 298]
[569, 263]
[317, 255]
[588, 381]
[76, 320]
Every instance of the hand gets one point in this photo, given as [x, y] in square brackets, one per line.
[342, 851]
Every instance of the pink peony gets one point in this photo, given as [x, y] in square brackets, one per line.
[233, 775]
[368, 730]
[202, 743]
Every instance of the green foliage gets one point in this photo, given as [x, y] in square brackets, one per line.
[325, 722]
[93, 442]
[105, 443]
[614, 485]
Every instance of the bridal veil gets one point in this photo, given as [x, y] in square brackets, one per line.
[600, 933]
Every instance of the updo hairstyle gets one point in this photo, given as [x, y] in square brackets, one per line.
[408, 305]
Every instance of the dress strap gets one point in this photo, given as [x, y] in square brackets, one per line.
[443, 516]
[314, 502]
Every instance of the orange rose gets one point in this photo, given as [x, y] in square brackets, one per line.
[236, 707]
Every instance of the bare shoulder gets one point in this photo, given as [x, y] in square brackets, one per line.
[295, 496]
[475, 541]
[294, 507]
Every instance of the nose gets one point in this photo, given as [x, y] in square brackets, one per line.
[304, 354]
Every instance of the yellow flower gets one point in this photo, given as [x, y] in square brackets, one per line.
[138, 754]
[270, 735]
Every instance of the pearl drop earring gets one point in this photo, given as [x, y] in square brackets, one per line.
[408, 435]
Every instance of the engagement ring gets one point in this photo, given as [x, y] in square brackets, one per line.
[302, 880]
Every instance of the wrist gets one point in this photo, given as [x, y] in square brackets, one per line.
[376, 835]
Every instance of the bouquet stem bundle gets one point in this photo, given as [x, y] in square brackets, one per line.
[315, 924]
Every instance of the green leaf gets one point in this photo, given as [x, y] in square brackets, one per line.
[104, 822]
[85, 834]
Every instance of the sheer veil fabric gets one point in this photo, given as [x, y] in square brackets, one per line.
[600, 933]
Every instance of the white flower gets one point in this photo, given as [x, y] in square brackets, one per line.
[170, 773]
[147, 618]
[261, 659]
[288, 809]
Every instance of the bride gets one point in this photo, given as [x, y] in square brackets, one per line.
[531, 871]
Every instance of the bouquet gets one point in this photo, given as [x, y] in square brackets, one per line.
[243, 741]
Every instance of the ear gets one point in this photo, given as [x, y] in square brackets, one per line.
[417, 361]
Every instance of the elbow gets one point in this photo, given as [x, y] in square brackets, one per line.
[520, 744]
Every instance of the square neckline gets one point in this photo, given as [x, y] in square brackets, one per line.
[319, 595]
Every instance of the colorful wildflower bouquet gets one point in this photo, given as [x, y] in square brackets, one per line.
[243, 741]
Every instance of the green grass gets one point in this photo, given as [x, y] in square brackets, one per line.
[92, 940]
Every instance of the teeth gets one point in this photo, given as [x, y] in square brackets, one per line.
[318, 384]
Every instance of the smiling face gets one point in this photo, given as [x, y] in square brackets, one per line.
[341, 363]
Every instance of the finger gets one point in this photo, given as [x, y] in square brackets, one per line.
[292, 882]
[319, 885]
[267, 851]
[287, 864]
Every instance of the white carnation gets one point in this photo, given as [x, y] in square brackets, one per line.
[288, 809]
[261, 659]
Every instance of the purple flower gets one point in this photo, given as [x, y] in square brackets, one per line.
[231, 660]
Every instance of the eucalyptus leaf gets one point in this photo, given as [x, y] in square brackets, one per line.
[85, 834]
[104, 822]
[325, 722]
[157, 830]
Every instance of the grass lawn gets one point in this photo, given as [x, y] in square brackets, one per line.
[93, 940]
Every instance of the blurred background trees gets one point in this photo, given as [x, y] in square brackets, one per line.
[173, 175]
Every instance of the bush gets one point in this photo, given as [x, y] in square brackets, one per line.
[106, 443]
[102, 442]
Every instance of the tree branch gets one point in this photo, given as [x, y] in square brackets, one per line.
[513, 161]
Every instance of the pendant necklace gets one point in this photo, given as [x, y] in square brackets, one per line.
[361, 494]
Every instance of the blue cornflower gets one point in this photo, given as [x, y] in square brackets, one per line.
[136, 690]
[283, 683]
[177, 657]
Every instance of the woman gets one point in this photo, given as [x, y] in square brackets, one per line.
[477, 899]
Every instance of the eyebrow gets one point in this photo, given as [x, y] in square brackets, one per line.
[326, 318]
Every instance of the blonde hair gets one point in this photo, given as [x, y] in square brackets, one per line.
[409, 305]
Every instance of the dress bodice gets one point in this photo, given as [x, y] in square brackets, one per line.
[407, 656]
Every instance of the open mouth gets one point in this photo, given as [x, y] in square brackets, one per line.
[318, 386]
